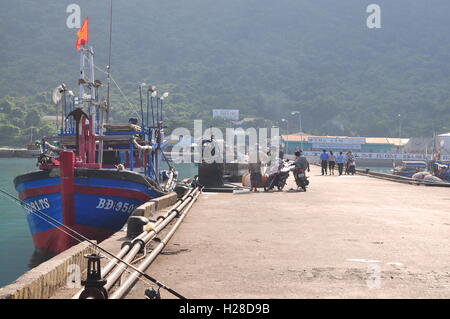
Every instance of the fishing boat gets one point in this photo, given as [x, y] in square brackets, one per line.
[93, 174]
[409, 168]
[441, 169]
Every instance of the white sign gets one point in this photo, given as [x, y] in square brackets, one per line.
[226, 114]
[387, 156]
[337, 146]
[333, 140]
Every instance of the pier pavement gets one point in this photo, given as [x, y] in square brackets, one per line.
[346, 237]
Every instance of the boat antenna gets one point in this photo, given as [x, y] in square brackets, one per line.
[108, 98]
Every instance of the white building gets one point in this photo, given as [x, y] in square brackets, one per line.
[443, 143]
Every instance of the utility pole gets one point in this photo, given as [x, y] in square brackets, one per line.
[300, 127]
[287, 134]
[400, 135]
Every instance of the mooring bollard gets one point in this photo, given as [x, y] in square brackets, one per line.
[93, 285]
[135, 225]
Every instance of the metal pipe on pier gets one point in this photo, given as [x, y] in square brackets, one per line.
[127, 248]
[128, 252]
[138, 245]
[125, 287]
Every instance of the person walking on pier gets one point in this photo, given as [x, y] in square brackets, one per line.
[331, 162]
[340, 163]
[351, 163]
[347, 162]
[324, 159]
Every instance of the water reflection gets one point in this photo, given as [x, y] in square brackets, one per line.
[38, 257]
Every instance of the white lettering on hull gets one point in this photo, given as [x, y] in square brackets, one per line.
[118, 206]
[37, 205]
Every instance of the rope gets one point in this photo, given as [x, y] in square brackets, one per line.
[121, 92]
[55, 223]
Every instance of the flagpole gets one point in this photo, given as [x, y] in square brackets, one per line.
[108, 105]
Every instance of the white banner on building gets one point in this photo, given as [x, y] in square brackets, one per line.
[337, 140]
[226, 114]
[387, 156]
[337, 146]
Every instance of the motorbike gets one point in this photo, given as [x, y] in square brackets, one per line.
[277, 179]
[300, 178]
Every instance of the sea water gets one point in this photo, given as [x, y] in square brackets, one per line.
[16, 246]
[386, 170]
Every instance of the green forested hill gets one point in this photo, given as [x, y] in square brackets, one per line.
[266, 58]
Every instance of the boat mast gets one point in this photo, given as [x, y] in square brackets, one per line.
[87, 96]
[108, 98]
[105, 112]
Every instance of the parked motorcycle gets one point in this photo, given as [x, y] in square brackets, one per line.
[300, 178]
[277, 179]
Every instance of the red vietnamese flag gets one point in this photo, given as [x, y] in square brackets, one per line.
[83, 34]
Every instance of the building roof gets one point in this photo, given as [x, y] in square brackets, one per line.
[397, 141]
[49, 117]
[387, 140]
[245, 120]
[419, 145]
[295, 138]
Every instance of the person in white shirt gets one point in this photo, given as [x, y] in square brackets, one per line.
[331, 162]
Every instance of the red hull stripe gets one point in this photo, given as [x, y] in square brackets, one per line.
[105, 191]
[31, 192]
[54, 240]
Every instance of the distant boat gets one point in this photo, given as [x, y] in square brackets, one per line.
[409, 168]
[441, 169]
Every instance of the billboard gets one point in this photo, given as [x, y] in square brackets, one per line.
[336, 146]
[226, 114]
[386, 156]
[337, 140]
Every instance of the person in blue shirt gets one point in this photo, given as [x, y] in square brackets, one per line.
[340, 160]
[324, 159]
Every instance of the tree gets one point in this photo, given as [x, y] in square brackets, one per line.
[9, 133]
[32, 118]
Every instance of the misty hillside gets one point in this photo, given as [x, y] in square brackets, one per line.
[266, 58]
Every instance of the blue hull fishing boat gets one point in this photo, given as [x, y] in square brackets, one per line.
[409, 168]
[441, 169]
[93, 174]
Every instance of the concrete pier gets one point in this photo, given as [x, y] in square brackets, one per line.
[346, 237]
[48, 278]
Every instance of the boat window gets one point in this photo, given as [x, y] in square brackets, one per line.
[111, 158]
